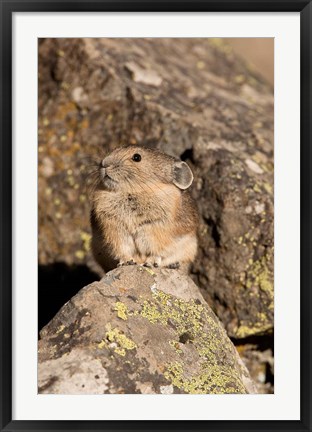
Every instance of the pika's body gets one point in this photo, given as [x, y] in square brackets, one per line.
[141, 211]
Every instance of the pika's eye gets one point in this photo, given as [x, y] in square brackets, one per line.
[136, 157]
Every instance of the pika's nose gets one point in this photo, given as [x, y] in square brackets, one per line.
[106, 163]
[103, 164]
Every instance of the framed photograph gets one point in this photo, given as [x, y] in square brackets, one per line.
[155, 215]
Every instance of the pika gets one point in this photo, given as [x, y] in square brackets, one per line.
[142, 212]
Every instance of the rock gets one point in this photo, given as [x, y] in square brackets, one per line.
[139, 331]
[192, 98]
[145, 76]
[260, 364]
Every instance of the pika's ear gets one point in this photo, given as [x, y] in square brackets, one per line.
[182, 175]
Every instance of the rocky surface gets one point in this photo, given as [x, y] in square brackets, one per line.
[192, 98]
[259, 361]
[139, 331]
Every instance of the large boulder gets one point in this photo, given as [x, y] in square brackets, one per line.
[191, 98]
[139, 331]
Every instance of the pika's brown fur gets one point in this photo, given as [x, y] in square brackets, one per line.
[141, 211]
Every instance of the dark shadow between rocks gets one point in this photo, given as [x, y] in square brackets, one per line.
[256, 350]
[262, 342]
[58, 283]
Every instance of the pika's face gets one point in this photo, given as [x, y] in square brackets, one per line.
[130, 168]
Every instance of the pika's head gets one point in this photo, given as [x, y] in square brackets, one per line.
[130, 168]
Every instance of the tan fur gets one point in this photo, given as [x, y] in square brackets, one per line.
[141, 215]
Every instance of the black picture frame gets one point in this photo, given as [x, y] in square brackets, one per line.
[7, 9]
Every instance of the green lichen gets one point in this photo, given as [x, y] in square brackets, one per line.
[211, 377]
[257, 188]
[122, 310]
[80, 254]
[148, 270]
[268, 187]
[122, 341]
[185, 315]
[102, 344]
[217, 371]
[259, 274]
[244, 331]
[86, 238]
[60, 329]
[115, 339]
[176, 346]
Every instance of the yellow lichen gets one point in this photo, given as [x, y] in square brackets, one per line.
[122, 310]
[176, 346]
[189, 319]
[244, 331]
[259, 274]
[268, 187]
[120, 351]
[211, 376]
[60, 328]
[80, 254]
[148, 270]
[200, 65]
[116, 340]
[122, 341]
[184, 314]
[102, 344]
[239, 79]
[86, 238]
[256, 188]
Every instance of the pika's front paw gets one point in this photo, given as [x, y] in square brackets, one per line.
[156, 262]
[126, 263]
[174, 266]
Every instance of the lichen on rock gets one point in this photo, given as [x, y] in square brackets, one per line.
[149, 331]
